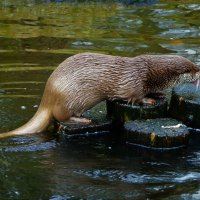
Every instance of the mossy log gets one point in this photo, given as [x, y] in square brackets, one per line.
[99, 124]
[121, 111]
[185, 105]
[162, 133]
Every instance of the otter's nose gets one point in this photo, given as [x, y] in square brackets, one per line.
[196, 83]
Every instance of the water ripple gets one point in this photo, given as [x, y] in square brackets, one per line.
[26, 144]
[191, 176]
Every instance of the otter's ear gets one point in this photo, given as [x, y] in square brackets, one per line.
[191, 69]
[196, 69]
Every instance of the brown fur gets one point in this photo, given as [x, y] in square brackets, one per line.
[83, 80]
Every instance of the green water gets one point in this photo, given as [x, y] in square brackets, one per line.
[35, 36]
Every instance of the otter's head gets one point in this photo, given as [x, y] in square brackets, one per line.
[192, 77]
[171, 76]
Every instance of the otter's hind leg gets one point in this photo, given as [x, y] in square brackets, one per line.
[60, 113]
[80, 120]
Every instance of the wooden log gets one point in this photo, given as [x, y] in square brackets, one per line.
[121, 111]
[99, 125]
[162, 133]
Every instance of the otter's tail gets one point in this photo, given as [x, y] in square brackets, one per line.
[38, 123]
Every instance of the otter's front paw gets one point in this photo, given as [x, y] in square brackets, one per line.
[156, 95]
[148, 101]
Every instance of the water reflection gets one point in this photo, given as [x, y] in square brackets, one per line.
[37, 35]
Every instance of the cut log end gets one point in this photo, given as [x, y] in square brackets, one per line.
[185, 105]
[157, 133]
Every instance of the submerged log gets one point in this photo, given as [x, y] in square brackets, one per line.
[163, 133]
[185, 105]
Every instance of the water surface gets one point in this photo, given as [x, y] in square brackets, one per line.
[35, 36]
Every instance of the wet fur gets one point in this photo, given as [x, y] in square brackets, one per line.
[83, 80]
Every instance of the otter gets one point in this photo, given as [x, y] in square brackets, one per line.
[83, 80]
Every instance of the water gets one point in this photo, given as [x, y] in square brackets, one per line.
[35, 36]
